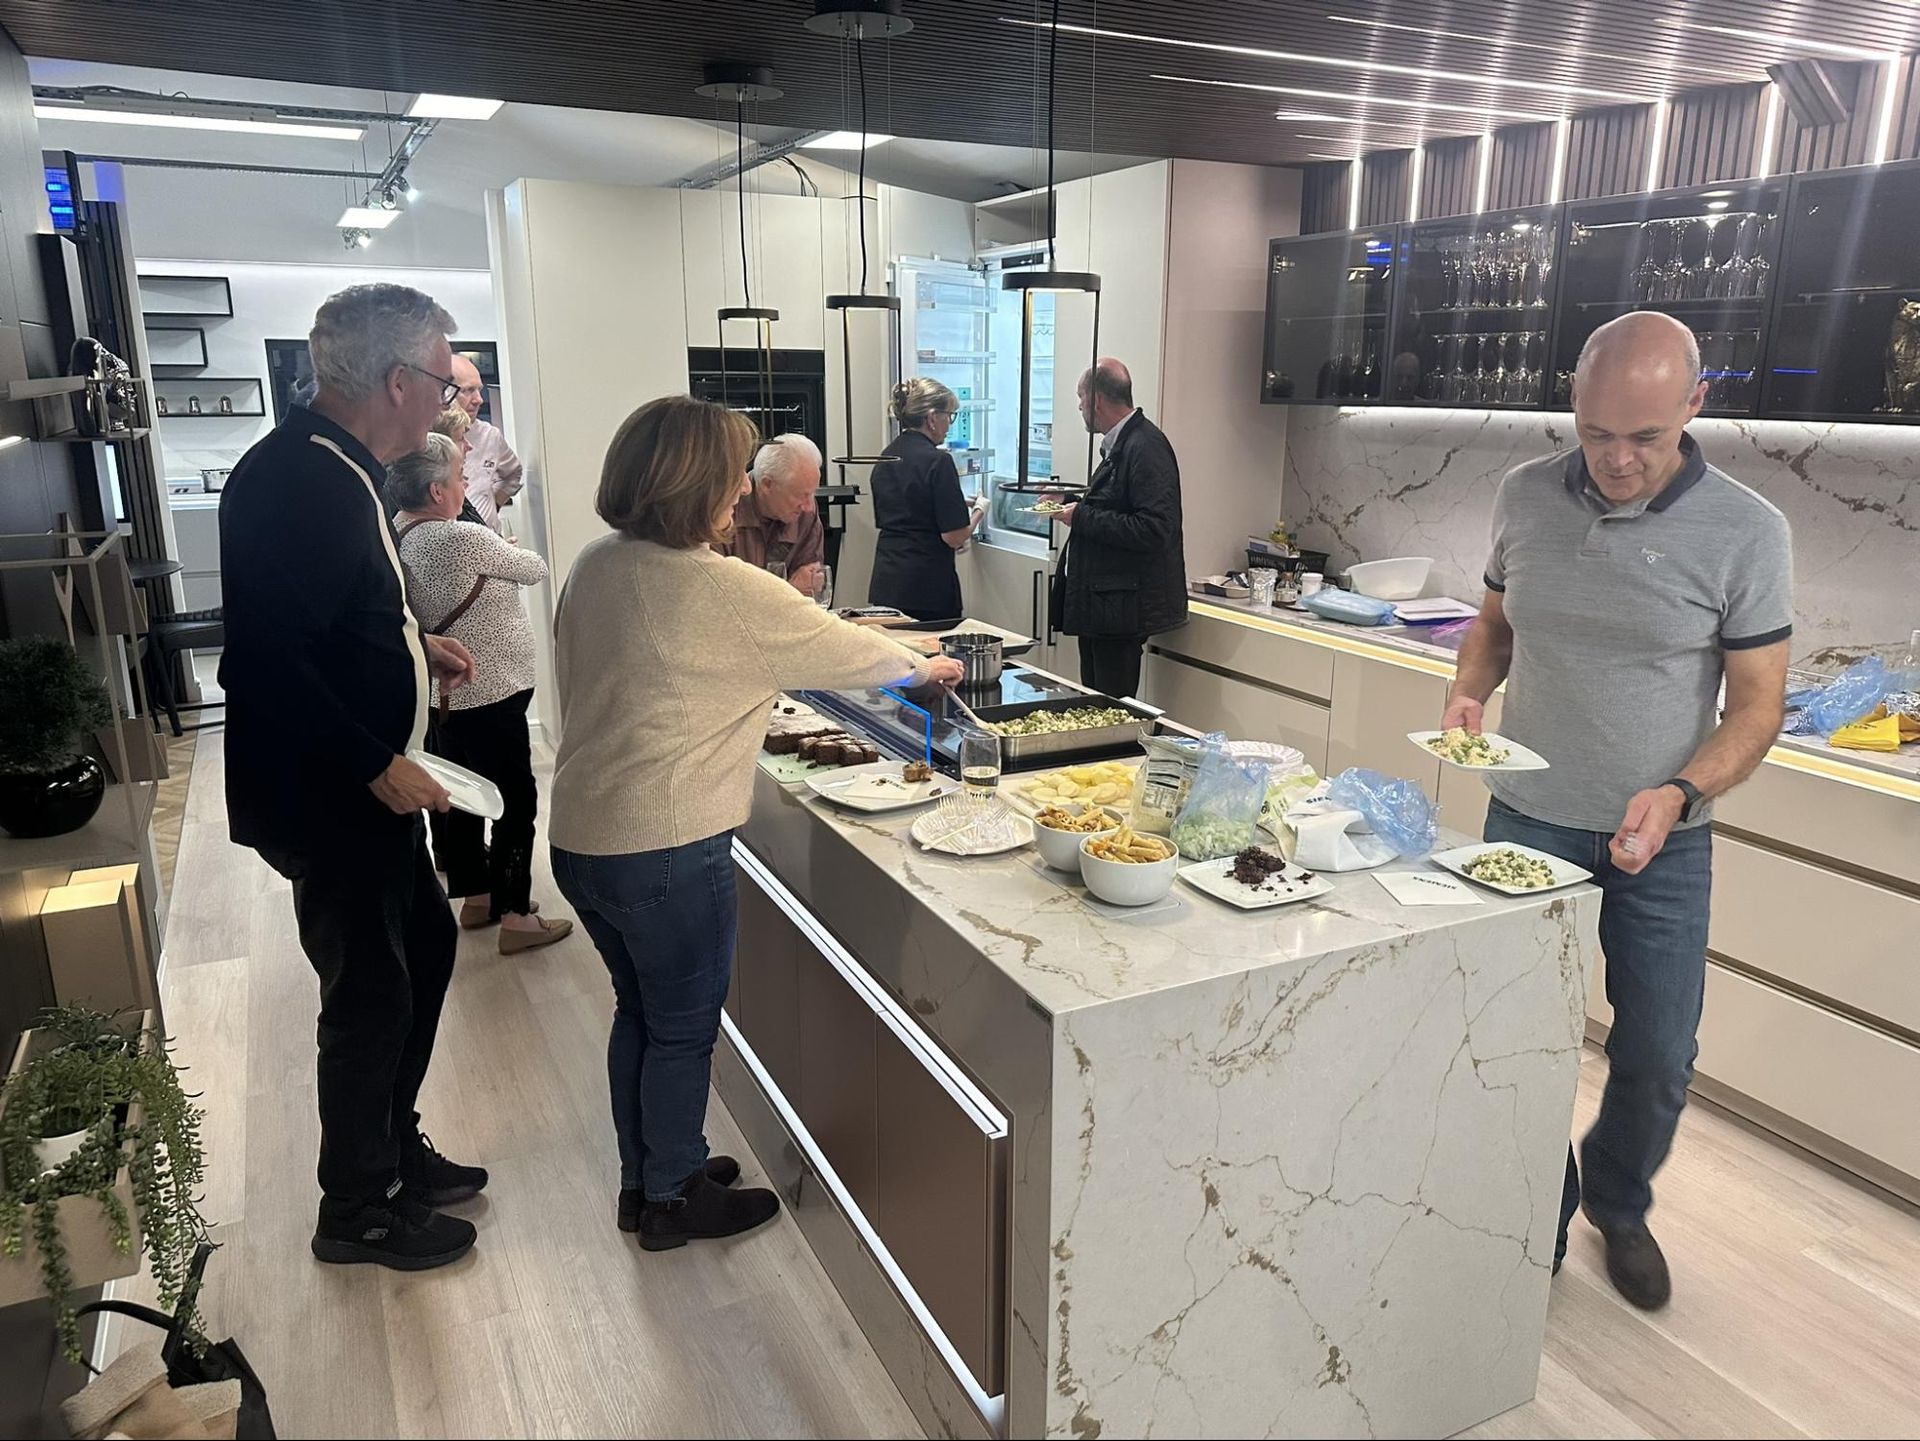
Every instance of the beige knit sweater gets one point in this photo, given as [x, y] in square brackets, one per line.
[668, 663]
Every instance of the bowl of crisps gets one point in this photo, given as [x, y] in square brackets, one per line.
[1127, 868]
[1099, 783]
[1059, 830]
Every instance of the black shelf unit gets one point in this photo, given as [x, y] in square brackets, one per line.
[245, 391]
[1473, 305]
[1846, 342]
[156, 353]
[1328, 318]
[1706, 254]
[216, 290]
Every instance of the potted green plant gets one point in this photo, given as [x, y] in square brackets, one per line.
[49, 704]
[139, 1154]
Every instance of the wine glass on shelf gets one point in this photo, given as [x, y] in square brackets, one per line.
[1487, 383]
[1450, 265]
[1433, 385]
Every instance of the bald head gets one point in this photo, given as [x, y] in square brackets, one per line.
[473, 392]
[1634, 391]
[1106, 395]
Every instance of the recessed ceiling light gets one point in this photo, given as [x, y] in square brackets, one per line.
[1717, 205]
[1390, 100]
[366, 217]
[1343, 159]
[1338, 62]
[1493, 41]
[7, 440]
[1310, 115]
[452, 107]
[160, 119]
[845, 140]
[1773, 37]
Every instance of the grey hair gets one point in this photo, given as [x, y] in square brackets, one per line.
[411, 477]
[1635, 328]
[781, 456]
[361, 333]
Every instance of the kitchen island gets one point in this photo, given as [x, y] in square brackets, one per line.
[1182, 1170]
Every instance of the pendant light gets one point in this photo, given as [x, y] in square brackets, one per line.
[1050, 280]
[854, 21]
[742, 84]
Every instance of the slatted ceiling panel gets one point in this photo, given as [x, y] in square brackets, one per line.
[1323, 197]
[1522, 166]
[1828, 147]
[1384, 178]
[1447, 178]
[1607, 152]
[1711, 135]
[1905, 141]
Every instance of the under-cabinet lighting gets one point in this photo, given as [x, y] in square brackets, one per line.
[845, 140]
[1659, 140]
[452, 107]
[1393, 101]
[1562, 134]
[1337, 62]
[1772, 37]
[1413, 183]
[1716, 205]
[1485, 177]
[1494, 41]
[46, 110]
[1353, 193]
[1768, 131]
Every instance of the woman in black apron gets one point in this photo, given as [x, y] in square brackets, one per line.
[922, 516]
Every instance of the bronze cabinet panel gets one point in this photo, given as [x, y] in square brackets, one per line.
[764, 983]
[836, 1099]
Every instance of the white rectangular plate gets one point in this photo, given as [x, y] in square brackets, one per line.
[854, 788]
[1519, 758]
[1565, 873]
[1215, 878]
[474, 794]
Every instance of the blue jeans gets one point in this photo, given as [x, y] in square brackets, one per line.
[664, 924]
[1653, 932]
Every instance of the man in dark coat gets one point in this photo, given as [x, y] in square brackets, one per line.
[1123, 574]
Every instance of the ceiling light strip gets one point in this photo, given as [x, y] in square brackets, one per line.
[1354, 174]
[1337, 62]
[1562, 138]
[1494, 41]
[1419, 165]
[1485, 177]
[1773, 38]
[1483, 111]
[1769, 133]
[1659, 143]
[45, 111]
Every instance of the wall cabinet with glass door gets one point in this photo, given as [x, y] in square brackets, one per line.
[1846, 342]
[1707, 256]
[1327, 316]
[1472, 299]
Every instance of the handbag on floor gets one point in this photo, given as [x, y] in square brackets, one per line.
[220, 1361]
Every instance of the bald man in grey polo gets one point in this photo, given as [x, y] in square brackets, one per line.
[1621, 617]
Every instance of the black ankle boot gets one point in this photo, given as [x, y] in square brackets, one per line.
[721, 1170]
[704, 1212]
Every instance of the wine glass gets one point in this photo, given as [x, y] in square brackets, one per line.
[1492, 374]
[823, 590]
[777, 568]
[979, 765]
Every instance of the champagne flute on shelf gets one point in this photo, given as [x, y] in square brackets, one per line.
[1486, 383]
[1450, 263]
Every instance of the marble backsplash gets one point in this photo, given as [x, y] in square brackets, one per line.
[1367, 485]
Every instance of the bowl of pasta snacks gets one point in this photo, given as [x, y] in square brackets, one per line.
[1059, 830]
[1127, 868]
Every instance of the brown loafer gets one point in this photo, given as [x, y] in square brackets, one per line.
[478, 918]
[514, 942]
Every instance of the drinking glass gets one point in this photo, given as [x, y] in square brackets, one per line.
[823, 592]
[1542, 266]
[1434, 385]
[1450, 267]
[1486, 386]
[979, 765]
[777, 568]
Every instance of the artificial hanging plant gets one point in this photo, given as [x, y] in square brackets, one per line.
[120, 1085]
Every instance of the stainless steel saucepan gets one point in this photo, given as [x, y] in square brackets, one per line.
[979, 652]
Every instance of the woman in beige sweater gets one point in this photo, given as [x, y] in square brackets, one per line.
[669, 657]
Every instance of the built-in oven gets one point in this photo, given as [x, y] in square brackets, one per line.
[783, 392]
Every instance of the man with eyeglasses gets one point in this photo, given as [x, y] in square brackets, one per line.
[326, 677]
[493, 472]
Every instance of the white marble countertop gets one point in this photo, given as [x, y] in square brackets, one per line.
[1903, 764]
[1069, 951]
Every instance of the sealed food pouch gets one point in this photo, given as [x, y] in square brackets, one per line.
[1223, 808]
[1161, 783]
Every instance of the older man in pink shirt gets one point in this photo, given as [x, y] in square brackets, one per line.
[492, 470]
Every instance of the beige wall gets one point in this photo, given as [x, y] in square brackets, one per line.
[1232, 449]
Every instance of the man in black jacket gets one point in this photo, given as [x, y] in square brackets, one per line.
[325, 673]
[1123, 574]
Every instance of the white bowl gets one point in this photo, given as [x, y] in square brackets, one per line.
[1400, 579]
[1061, 849]
[1129, 883]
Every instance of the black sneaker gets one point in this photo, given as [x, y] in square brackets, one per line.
[704, 1212]
[1637, 1269]
[433, 1179]
[721, 1170]
[397, 1232]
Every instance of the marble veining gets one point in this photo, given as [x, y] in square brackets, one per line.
[1402, 482]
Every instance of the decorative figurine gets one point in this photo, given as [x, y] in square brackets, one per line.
[1903, 360]
[160, 403]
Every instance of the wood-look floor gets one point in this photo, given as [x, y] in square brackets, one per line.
[1796, 1312]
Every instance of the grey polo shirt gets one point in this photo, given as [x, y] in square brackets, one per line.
[1621, 618]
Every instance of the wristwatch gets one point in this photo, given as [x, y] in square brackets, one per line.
[1693, 799]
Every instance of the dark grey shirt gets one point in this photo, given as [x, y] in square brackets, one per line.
[1621, 617]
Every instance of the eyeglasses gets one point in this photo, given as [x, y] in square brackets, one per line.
[448, 388]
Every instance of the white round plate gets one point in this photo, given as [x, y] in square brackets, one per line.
[855, 787]
[1215, 878]
[1519, 758]
[932, 832]
[1565, 873]
[474, 794]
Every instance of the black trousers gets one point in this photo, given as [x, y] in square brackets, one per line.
[1110, 665]
[492, 740]
[376, 929]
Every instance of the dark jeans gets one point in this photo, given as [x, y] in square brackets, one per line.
[1653, 932]
[492, 740]
[1111, 666]
[375, 926]
[664, 923]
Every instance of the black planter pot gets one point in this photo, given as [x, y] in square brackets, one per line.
[51, 803]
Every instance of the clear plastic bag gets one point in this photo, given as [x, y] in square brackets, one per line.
[1857, 690]
[1161, 782]
[1398, 811]
[1223, 807]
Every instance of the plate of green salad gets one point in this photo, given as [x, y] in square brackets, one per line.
[1487, 751]
[1512, 870]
